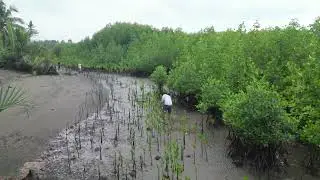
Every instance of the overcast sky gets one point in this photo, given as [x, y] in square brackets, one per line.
[75, 19]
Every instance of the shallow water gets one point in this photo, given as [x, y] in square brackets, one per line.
[99, 131]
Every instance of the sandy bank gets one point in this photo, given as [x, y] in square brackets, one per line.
[56, 100]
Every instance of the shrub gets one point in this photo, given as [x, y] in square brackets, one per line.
[213, 92]
[258, 122]
[159, 76]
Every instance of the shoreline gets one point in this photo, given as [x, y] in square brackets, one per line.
[56, 100]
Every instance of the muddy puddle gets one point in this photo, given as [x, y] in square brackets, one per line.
[117, 142]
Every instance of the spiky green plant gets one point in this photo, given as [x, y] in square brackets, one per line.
[11, 96]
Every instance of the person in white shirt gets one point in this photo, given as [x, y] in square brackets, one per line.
[79, 67]
[167, 102]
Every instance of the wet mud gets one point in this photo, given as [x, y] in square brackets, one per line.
[116, 143]
[110, 138]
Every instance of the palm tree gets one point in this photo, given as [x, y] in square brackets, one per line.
[8, 22]
[31, 30]
[11, 96]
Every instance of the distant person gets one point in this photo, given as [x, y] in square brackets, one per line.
[167, 102]
[79, 67]
[59, 65]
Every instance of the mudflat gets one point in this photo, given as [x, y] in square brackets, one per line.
[55, 100]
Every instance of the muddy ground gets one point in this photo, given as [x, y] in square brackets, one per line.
[90, 147]
[50, 135]
[55, 101]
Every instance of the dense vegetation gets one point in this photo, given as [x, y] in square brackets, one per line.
[265, 81]
[17, 51]
[14, 36]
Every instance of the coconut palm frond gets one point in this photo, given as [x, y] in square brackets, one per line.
[7, 14]
[17, 20]
[13, 9]
[11, 96]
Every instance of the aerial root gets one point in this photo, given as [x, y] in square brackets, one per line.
[261, 157]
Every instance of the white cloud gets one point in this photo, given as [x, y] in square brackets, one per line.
[75, 19]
